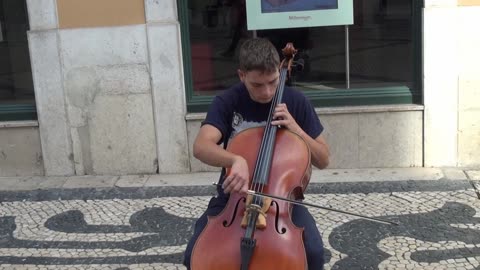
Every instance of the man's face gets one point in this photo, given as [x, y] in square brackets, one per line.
[260, 85]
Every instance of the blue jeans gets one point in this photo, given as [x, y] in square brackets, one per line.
[300, 217]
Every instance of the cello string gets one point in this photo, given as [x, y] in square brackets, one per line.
[258, 164]
[265, 150]
[272, 129]
[268, 139]
[257, 185]
[260, 160]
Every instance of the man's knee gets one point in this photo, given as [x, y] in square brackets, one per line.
[315, 256]
[215, 206]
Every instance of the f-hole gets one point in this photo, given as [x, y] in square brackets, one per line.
[228, 224]
[277, 208]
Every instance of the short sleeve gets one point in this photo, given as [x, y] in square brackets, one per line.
[313, 127]
[305, 115]
[218, 114]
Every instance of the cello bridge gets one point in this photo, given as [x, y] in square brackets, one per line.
[261, 210]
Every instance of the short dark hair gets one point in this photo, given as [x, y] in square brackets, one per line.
[258, 54]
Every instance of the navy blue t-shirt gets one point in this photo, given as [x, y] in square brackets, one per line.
[234, 111]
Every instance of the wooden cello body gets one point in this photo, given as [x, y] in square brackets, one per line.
[234, 239]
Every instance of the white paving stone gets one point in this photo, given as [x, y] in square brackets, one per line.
[31, 217]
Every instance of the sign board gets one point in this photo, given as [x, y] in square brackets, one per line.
[276, 14]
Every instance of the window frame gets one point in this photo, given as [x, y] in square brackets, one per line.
[325, 98]
[18, 111]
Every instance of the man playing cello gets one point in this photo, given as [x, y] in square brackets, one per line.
[245, 105]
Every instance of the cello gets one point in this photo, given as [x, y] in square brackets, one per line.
[256, 232]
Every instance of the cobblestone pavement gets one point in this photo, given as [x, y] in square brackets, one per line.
[148, 227]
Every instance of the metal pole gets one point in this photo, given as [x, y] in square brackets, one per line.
[254, 33]
[347, 57]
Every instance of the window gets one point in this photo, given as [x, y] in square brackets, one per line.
[377, 60]
[17, 100]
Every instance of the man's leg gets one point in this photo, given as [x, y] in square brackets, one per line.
[312, 240]
[215, 206]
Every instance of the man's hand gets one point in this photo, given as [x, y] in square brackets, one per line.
[318, 146]
[283, 118]
[237, 180]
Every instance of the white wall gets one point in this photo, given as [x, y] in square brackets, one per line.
[110, 99]
[451, 93]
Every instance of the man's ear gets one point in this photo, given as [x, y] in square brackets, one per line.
[241, 75]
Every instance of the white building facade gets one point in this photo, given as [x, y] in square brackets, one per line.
[112, 97]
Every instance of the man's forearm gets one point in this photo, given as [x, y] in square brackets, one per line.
[319, 151]
[213, 155]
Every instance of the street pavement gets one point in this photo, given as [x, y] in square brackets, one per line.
[145, 221]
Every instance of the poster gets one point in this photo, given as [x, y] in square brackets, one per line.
[275, 14]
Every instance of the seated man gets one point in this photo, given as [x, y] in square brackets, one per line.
[247, 104]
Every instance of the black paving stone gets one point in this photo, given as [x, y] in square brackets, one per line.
[358, 238]
[363, 236]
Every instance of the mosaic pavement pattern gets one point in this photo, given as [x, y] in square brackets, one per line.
[148, 228]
